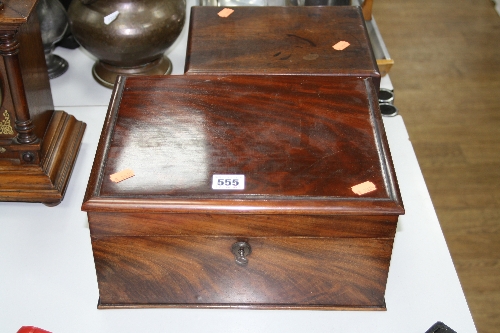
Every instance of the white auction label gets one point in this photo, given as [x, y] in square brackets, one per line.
[228, 182]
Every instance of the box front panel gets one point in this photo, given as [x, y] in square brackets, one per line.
[282, 272]
[251, 225]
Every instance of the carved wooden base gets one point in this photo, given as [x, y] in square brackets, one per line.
[46, 181]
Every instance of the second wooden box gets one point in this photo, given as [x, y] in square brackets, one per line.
[310, 40]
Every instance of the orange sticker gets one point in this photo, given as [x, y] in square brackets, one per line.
[225, 12]
[341, 45]
[363, 188]
[121, 175]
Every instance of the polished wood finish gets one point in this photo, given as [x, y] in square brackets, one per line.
[254, 225]
[447, 85]
[280, 40]
[38, 146]
[164, 236]
[283, 272]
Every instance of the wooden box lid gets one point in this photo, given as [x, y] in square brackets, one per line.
[280, 40]
[301, 143]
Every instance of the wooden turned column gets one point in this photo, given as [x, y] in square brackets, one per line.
[9, 49]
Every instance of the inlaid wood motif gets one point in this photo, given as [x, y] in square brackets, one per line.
[5, 126]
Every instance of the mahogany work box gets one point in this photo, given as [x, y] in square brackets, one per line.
[303, 40]
[272, 192]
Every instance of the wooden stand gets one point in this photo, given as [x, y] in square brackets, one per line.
[38, 146]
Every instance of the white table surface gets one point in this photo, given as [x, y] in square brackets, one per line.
[48, 280]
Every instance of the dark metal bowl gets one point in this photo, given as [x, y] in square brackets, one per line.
[132, 44]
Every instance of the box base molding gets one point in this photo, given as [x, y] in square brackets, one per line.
[246, 306]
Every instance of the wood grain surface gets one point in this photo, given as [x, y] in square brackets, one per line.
[254, 225]
[301, 142]
[282, 272]
[280, 40]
